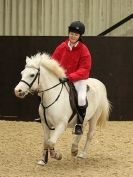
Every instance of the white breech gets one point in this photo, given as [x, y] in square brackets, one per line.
[80, 87]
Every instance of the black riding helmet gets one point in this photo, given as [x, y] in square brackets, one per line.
[77, 27]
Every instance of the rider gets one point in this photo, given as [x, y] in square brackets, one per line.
[75, 58]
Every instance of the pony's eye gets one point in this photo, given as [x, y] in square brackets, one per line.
[32, 75]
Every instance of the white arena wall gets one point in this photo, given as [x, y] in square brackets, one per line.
[52, 17]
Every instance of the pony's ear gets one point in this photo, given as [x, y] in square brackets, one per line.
[27, 59]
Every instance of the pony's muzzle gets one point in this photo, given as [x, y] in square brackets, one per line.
[19, 93]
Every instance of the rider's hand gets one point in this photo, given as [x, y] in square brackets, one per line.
[64, 80]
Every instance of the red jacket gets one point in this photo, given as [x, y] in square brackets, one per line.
[76, 62]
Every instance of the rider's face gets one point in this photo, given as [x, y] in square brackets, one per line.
[73, 37]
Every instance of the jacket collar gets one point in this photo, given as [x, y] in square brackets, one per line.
[76, 46]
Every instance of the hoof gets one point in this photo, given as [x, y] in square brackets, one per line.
[74, 153]
[55, 155]
[82, 155]
[59, 156]
[41, 162]
[74, 150]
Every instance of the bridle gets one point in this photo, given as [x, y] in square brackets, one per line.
[34, 79]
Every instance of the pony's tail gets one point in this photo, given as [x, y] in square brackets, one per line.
[104, 117]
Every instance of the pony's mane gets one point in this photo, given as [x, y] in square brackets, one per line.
[46, 61]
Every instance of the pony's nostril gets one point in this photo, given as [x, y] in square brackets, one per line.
[19, 90]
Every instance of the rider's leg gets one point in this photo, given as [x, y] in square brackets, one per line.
[82, 113]
[82, 105]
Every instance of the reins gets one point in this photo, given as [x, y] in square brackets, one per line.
[55, 99]
[51, 87]
[45, 107]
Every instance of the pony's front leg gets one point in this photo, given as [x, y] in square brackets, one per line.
[54, 154]
[53, 139]
[55, 134]
[44, 159]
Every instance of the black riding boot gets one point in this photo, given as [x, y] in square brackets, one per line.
[80, 119]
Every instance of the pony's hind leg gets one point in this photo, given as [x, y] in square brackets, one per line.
[92, 126]
[74, 148]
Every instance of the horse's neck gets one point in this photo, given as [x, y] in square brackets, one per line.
[47, 81]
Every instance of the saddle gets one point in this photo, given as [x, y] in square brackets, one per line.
[73, 97]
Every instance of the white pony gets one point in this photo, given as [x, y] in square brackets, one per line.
[42, 75]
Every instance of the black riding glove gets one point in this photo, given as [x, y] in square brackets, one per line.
[64, 80]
